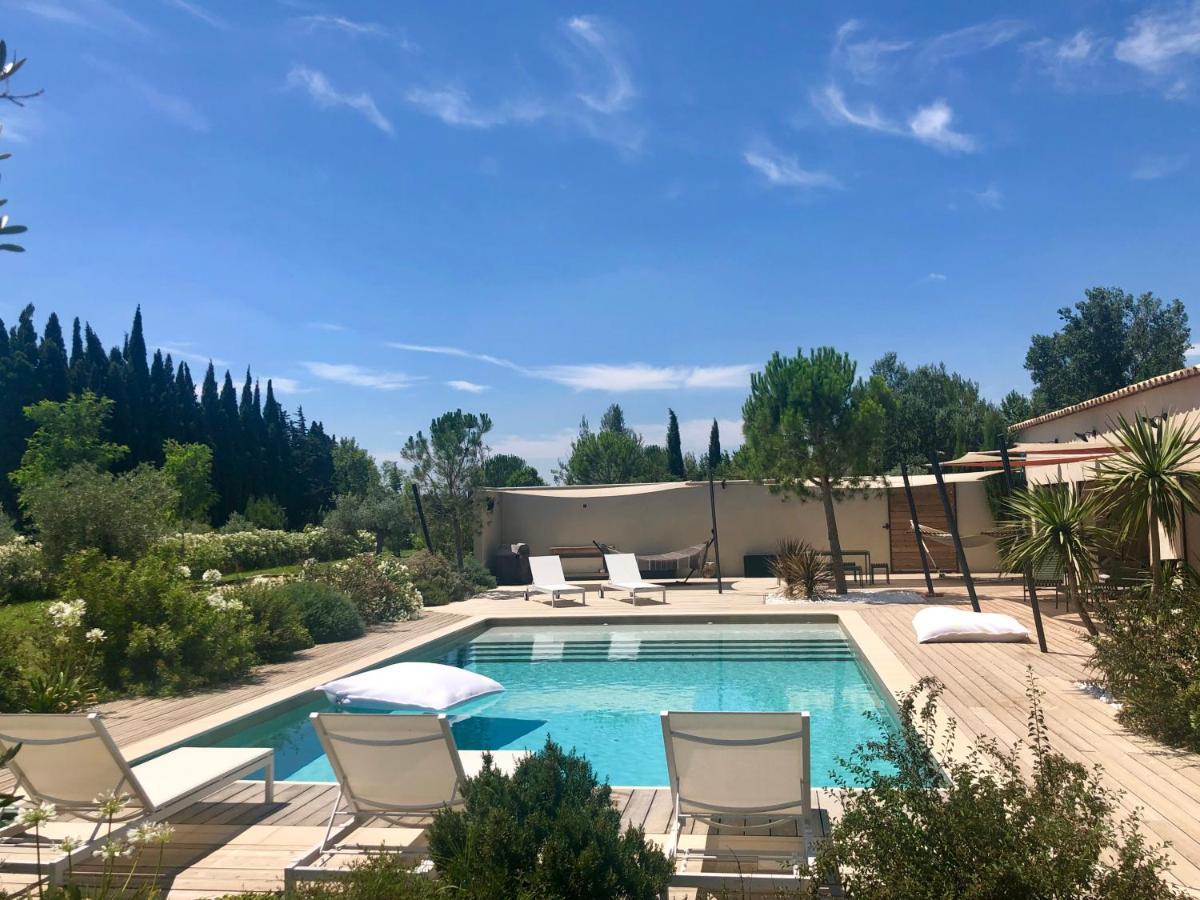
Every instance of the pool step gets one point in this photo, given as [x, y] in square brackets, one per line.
[719, 650]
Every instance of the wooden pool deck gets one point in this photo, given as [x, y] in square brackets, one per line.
[233, 842]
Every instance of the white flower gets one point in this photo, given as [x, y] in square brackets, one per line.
[111, 804]
[112, 850]
[68, 844]
[152, 833]
[66, 614]
[184, 571]
[95, 635]
[210, 576]
[219, 601]
[40, 814]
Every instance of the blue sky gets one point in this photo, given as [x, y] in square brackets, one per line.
[534, 210]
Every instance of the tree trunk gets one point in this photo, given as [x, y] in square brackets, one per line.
[1073, 593]
[835, 543]
[1155, 554]
[456, 526]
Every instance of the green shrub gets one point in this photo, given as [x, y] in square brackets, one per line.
[85, 508]
[379, 585]
[328, 614]
[279, 628]
[548, 830]
[24, 571]
[162, 637]
[384, 876]
[266, 512]
[1147, 654]
[440, 583]
[259, 548]
[979, 829]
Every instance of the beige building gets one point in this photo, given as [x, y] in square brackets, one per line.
[658, 518]
[1086, 425]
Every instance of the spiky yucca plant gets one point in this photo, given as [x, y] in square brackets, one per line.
[801, 569]
[1152, 478]
[1060, 525]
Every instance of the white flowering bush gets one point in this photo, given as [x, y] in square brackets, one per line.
[23, 571]
[67, 672]
[261, 548]
[211, 576]
[380, 585]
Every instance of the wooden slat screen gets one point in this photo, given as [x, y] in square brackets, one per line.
[905, 556]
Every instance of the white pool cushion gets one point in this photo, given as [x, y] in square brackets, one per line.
[418, 686]
[944, 624]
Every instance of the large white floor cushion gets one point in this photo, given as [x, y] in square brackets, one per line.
[415, 686]
[945, 624]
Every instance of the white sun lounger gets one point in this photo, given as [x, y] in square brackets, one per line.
[548, 578]
[623, 575]
[71, 761]
[387, 767]
[748, 766]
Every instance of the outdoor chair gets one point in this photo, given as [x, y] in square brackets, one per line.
[71, 762]
[749, 767]
[548, 578]
[401, 769]
[623, 575]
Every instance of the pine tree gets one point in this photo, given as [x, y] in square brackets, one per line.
[52, 362]
[674, 447]
[714, 446]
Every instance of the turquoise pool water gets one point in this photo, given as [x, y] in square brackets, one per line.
[600, 688]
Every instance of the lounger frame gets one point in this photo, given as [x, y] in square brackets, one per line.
[630, 587]
[555, 589]
[360, 810]
[802, 819]
[105, 828]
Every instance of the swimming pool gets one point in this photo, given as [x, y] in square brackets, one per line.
[599, 689]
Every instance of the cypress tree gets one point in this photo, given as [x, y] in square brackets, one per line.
[674, 447]
[714, 446]
[76, 344]
[52, 362]
[95, 367]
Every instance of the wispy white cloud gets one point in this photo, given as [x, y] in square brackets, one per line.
[359, 376]
[185, 350]
[328, 326]
[931, 124]
[934, 276]
[97, 14]
[611, 88]
[176, 109]
[1157, 41]
[469, 387]
[548, 447]
[326, 96]
[196, 11]
[454, 106]
[1070, 62]
[606, 376]
[1151, 168]
[970, 40]
[289, 386]
[455, 351]
[783, 170]
[354, 28]
[867, 58]
[1193, 351]
[643, 377]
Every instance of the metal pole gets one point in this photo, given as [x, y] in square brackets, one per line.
[712, 505]
[952, 523]
[1030, 584]
[421, 516]
[916, 524]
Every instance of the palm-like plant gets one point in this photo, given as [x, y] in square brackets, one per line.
[1057, 524]
[1152, 478]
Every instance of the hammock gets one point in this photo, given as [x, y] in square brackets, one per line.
[671, 562]
[968, 540]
